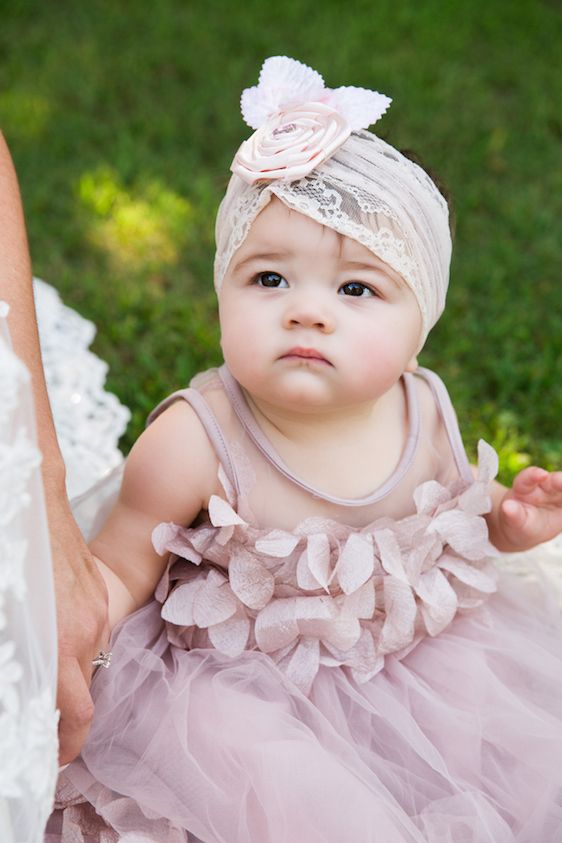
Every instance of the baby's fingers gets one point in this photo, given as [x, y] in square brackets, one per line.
[515, 513]
[525, 524]
[527, 480]
[552, 483]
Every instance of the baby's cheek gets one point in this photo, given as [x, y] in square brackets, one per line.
[241, 350]
[379, 366]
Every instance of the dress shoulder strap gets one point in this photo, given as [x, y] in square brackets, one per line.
[209, 421]
[449, 418]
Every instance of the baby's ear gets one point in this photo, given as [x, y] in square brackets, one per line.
[412, 365]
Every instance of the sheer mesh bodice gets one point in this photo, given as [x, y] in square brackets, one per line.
[269, 494]
[314, 579]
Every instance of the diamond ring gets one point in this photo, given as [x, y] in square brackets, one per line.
[102, 660]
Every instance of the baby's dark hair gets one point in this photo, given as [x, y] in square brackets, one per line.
[439, 184]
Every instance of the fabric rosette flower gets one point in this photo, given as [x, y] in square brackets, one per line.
[291, 143]
[299, 122]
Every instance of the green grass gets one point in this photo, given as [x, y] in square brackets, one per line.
[123, 119]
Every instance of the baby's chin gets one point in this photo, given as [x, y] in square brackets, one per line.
[307, 390]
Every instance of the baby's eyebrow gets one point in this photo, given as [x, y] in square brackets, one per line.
[261, 257]
[374, 267]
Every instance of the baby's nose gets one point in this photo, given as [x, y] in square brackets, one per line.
[309, 312]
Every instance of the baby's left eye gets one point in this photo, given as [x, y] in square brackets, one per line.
[355, 288]
[271, 280]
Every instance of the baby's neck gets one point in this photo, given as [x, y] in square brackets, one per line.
[317, 426]
[347, 451]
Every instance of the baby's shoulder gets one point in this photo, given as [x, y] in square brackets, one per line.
[173, 459]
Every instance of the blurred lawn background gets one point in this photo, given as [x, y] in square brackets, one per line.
[123, 119]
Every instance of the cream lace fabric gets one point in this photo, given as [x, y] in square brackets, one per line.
[28, 720]
[367, 191]
[89, 422]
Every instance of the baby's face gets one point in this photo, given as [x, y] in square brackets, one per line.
[311, 319]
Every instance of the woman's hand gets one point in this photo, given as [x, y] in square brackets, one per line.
[81, 602]
[530, 512]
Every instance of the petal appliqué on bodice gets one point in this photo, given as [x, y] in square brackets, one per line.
[326, 594]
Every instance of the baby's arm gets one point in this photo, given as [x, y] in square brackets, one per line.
[527, 514]
[169, 476]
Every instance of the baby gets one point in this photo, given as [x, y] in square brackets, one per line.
[316, 644]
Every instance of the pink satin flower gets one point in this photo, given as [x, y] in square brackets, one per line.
[299, 122]
[291, 144]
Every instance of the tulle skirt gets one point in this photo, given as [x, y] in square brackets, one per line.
[458, 742]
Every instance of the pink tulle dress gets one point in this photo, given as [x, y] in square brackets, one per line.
[321, 670]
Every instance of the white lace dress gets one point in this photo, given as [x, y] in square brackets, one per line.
[89, 422]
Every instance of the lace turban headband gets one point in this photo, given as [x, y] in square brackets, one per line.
[311, 151]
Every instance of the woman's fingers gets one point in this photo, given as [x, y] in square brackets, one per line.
[76, 708]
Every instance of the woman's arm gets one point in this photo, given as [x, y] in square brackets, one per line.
[80, 591]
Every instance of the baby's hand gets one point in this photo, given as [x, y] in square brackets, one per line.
[531, 511]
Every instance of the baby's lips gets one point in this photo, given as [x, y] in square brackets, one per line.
[306, 353]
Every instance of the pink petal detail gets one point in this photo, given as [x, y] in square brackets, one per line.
[224, 535]
[278, 543]
[439, 601]
[366, 661]
[178, 607]
[488, 463]
[171, 538]
[201, 537]
[356, 562]
[360, 106]
[365, 676]
[319, 607]
[276, 625]
[215, 602]
[162, 534]
[361, 603]
[316, 616]
[231, 636]
[475, 500]
[400, 605]
[343, 632]
[466, 534]
[423, 556]
[391, 557]
[305, 579]
[318, 556]
[428, 496]
[250, 580]
[221, 514]
[303, 664]
[484, 581]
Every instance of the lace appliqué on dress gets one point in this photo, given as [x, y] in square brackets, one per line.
[28, 720]
[88, 420]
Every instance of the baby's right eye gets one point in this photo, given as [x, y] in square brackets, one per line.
[271, 280]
